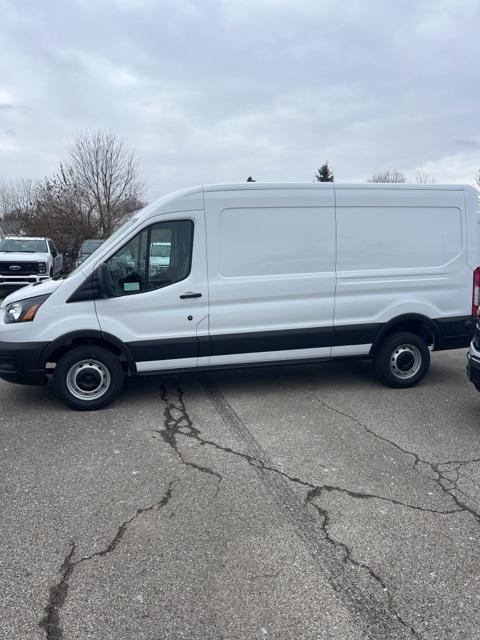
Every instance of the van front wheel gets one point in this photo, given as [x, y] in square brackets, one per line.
[402, 360]
[88, 377]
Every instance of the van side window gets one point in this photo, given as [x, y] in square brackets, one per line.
[156, 257]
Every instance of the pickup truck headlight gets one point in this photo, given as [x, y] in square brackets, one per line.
[42, 267]
[23, 310]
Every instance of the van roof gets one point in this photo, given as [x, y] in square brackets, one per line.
[323, 185]
[192, 197]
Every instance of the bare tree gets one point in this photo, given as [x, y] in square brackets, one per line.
[17, 196]
[422, 177]
[388, 176]
[62, 211]
[106, 171]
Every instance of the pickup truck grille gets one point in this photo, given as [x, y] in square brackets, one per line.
[26, 268]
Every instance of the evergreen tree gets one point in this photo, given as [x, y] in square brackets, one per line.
[324, 174]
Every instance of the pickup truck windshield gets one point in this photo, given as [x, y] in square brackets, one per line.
[106, 244]
[23, 245]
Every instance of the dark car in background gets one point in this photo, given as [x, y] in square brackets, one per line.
[86, 249]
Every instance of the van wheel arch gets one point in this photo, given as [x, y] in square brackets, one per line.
[414, 323]
[59, 347]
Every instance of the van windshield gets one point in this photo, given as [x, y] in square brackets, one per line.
[105, 245]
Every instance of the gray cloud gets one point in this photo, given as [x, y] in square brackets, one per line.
[216, 91]
[472, 143]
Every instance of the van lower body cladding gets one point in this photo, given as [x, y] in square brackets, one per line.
[243, 348]
[22, 362]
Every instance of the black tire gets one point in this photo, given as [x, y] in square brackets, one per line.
[88, 378]
[51, 272]
[402, 360]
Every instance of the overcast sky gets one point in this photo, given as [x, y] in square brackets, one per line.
[208, 91]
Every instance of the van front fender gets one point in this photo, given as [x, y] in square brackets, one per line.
[76, 338]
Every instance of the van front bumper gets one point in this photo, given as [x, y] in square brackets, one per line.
[19, 362]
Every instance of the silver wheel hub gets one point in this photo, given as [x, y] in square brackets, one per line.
[88, 379]
[405, 361]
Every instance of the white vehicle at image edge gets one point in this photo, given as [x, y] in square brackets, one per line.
[254, 274]
[25, 261]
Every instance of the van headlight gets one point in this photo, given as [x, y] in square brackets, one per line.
[23, 310]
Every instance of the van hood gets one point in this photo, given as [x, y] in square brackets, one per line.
[8, 256]
[32, 290]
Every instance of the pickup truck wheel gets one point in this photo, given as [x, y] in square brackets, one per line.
[88, 377]
[51, 272]
[402, 360]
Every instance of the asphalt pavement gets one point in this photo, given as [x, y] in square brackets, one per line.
[302, 502]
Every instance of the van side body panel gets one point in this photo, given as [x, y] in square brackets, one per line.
[402, 252]
[472, 209]
[271, 271]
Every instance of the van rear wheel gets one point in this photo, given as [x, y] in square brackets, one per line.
[402, 360]
[88, 377]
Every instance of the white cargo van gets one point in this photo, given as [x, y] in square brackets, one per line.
[254, 274]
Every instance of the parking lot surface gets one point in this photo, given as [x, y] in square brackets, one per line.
[296, 502]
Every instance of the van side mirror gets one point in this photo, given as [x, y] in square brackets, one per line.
[98, 285]
[105, 283]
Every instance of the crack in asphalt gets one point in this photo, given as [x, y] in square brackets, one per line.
[455, 470]
[51, 622]
[177, 421]
[379, 617]
[173, 428]
[348, 558]
[441, 479]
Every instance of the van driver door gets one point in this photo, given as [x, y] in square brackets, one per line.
[159, 307]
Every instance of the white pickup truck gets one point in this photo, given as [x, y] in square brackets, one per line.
[26, 261]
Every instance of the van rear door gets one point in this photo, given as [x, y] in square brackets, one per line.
[271, 266]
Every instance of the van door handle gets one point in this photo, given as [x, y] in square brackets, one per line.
[190, 294]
